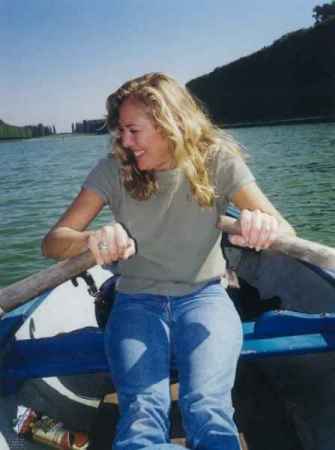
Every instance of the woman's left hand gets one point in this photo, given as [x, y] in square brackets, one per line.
[258, 230]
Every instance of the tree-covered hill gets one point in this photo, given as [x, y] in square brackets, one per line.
[292, 78]
[14, 132]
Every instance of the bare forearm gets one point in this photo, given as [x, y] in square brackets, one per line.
[285, 227]
[251, 197]
[64, 242]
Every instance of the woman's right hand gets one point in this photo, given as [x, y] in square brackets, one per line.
[111, 243]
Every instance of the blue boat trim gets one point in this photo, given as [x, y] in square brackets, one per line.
[82, 351]
[288, 345]
[288, 323]
[12, 321]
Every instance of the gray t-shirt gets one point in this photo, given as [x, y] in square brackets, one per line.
[177, 243]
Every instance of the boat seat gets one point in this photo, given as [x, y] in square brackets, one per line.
[82, 351]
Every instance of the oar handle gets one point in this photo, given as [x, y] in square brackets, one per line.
[21, 292]
[308, 251]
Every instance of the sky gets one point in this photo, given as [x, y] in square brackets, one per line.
[60, 59]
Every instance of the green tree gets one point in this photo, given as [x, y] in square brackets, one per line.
[324, 12]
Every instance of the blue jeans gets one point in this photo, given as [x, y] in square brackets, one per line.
[202, 333]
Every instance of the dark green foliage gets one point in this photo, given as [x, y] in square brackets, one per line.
[26, 132]
[324, 12]
[293, 78]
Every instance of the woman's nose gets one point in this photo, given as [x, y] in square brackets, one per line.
[126, 139]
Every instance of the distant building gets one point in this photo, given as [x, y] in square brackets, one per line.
[94, 126]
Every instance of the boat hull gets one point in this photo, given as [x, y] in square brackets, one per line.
[77, 399]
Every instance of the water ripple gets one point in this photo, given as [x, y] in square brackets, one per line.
[294, 165]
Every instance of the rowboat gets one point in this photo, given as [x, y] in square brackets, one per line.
[52, 358]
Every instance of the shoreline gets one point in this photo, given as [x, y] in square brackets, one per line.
[253, 124]
[18, 138]
[279, 122]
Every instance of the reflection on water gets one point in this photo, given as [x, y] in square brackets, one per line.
[294, 165]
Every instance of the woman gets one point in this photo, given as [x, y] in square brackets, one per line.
[170, 176]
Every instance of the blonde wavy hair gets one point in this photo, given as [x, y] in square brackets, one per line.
[193, 139]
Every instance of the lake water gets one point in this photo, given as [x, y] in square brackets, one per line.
[294, 165]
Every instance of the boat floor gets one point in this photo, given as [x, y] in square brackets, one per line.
[261, 415]
[281, 403]
[261, 412]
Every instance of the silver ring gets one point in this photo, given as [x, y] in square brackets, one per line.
[102, 246]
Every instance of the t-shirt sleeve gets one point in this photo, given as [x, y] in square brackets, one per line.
[232, 173]
[101, 179]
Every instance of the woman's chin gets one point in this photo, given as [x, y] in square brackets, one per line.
[143, 166]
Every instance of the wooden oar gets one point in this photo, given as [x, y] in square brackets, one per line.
[308, 251]
[21, 292]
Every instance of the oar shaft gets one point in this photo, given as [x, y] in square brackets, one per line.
[21, 292]
[302, 249]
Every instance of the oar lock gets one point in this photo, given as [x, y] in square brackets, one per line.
[89, 280]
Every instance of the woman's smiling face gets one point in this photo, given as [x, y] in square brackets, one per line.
[138, 133]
